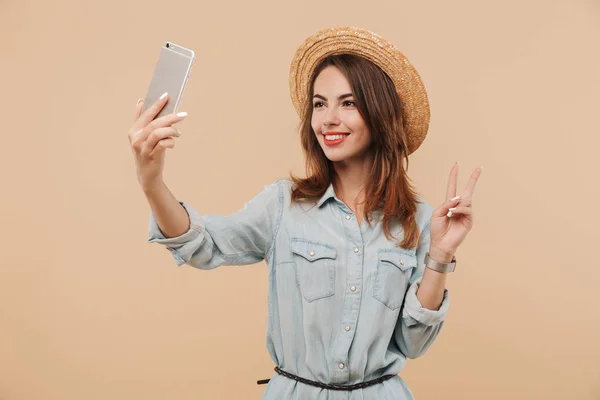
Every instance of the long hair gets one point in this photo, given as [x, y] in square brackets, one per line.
[388, 186]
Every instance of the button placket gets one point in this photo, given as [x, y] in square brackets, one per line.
[353, 246]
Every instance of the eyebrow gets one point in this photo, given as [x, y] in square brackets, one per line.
[339, 98]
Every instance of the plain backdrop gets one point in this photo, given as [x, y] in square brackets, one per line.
[90, 310]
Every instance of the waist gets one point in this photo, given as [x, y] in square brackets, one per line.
[322, 385]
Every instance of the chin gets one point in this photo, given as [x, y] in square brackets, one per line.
[335, 156]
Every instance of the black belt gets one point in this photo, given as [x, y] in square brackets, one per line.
[327, 386]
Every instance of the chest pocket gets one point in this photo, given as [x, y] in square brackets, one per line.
[394, 268]
[314, 263]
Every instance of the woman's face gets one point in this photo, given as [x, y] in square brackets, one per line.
[340, 129]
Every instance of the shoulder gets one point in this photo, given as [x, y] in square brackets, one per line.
[275, 192]
[283, 185]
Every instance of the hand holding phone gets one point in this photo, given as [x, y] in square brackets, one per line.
[171, 74]
[152, 131]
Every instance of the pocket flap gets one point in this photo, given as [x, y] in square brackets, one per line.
[400, 259]
[312, 250]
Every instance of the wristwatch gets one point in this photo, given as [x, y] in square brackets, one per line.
[440, 266]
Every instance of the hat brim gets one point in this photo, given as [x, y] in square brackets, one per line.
[369, 45]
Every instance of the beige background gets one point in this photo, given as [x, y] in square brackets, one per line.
[89, 310]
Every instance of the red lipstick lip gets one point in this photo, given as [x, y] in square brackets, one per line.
[335, 142]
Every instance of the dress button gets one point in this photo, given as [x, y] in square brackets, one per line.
[341, 365]
[401, 262]
[348, 217]
[347, 328]
[356, 249]
[312, 253]
[353, 288]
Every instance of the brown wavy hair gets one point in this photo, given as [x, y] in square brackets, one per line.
[388, 186]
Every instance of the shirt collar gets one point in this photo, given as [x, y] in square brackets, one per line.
[329, 193]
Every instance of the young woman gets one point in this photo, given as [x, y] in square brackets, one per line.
[357, 260]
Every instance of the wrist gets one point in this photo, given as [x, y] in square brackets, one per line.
[151, 187]
[444, 256]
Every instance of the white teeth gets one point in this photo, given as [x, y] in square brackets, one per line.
[334, 137]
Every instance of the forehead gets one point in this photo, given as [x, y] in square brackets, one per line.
[331, 79]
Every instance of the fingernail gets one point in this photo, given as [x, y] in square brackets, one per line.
[139, 101]
[452, 209]
[455, 198]
[182, 114]
[178, 131]
[481, 168]
[449, 214]
[163, 95]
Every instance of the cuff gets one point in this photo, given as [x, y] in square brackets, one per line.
[415, 313]
[177, 245]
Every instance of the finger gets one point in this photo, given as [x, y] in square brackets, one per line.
[166, 143]
[465, 201]
[451, 189]
[158, 135]
[138, 108]
[152, 111]
[167, 120]
[470, 188]
[142, 135]
[466, 211]
[444, 207]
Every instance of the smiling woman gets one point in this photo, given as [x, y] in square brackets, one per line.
[349, 301]
[366, 110]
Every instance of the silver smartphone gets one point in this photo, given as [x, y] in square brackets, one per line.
[171, 74]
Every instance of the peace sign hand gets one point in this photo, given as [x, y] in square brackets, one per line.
[453, 219]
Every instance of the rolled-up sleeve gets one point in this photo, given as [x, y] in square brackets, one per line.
[414, 313]
[418, 327]
[244, 237]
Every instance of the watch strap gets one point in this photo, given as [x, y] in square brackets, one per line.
[440, 266]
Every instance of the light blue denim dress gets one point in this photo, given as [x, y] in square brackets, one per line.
[342, 305]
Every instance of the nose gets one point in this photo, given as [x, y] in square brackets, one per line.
[331, 117]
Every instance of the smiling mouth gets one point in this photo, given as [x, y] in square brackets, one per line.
[335, 139]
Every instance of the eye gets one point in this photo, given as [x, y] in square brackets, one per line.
[319, 103]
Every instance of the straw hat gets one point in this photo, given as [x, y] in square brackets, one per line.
[369, 45]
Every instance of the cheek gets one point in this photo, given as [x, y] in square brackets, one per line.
[315, 123]
[357, 124]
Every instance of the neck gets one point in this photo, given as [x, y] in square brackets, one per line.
[350, 179]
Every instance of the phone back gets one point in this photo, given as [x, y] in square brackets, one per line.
[170, 75]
